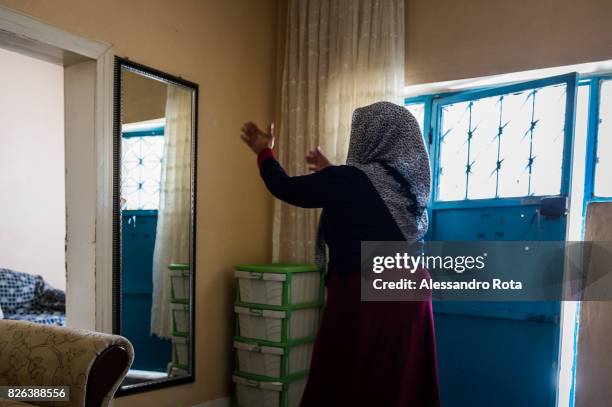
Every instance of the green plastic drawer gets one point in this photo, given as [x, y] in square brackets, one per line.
[279, 285]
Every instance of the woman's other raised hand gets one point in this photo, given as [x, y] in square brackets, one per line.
[316, 160]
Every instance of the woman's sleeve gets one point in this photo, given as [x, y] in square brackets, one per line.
[307, 191]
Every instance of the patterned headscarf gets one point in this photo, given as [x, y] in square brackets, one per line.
[387, 145]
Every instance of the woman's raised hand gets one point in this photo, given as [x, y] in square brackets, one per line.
[316, 160]
[256, 139]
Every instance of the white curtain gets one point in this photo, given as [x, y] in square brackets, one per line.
[173, 221]
[339, 55]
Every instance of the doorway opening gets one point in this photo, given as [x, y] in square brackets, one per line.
[56, 148]
[33, 215]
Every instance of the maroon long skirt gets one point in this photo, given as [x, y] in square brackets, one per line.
[375, 354]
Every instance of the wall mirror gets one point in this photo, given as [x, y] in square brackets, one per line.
[154, 223]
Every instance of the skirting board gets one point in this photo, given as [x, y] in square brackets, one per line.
[223, 402]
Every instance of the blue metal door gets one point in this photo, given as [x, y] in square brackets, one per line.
[139, 228]
[495, 154]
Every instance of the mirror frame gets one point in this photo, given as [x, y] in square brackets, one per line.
[154, 74]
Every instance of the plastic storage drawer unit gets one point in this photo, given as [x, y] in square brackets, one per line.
[281, 285]
[272, 362]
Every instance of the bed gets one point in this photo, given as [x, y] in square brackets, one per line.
[27, 297]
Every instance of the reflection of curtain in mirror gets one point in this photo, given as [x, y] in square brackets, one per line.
[172, 239]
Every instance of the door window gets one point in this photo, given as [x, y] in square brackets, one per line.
[500, 146]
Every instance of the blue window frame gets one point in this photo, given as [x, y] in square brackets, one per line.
[603, 154]
[598, 183]
[510, 140]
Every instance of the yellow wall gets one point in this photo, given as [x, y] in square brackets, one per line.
[229, 49]
[457, 39]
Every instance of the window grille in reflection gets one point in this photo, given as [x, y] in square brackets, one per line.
[141, 160]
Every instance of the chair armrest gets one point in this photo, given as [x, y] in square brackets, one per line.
[106, 375]
[44, 355]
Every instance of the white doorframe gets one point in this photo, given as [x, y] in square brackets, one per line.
[104, 209]
[92, 234]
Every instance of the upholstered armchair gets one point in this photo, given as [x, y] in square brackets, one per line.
[93, 364]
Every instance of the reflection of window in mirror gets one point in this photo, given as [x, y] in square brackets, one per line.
[155, 202]
[141, 159]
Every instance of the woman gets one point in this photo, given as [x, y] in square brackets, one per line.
[366, 353]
